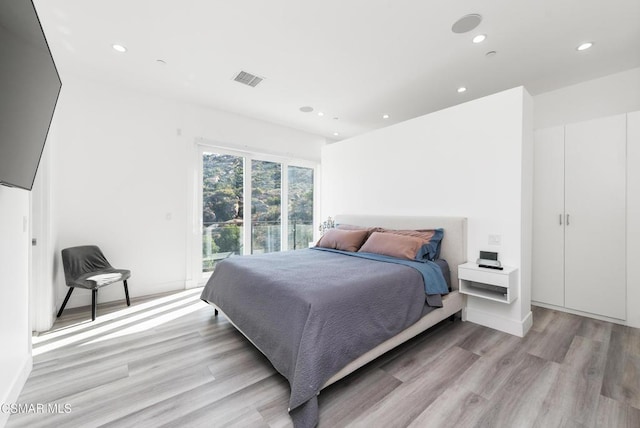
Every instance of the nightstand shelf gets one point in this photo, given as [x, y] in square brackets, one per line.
[486, 283]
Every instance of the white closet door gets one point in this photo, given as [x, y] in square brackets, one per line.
[595, 232]
[548, 217]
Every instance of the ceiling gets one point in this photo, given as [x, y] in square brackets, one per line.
[352, 60]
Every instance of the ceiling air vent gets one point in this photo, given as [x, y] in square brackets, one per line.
[248, 79]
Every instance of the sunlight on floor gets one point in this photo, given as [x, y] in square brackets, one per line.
[130, 320]
[149, 324]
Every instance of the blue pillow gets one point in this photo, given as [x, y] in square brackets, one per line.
[431, 250]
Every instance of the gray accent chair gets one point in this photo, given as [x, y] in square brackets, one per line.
[86, 267]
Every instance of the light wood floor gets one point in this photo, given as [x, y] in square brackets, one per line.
[167, 362]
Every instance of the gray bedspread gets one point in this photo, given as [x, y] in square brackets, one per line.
[313, 312]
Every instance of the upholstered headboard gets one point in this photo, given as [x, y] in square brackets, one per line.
[454, 242]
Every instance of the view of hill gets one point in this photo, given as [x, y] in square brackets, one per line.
[223, 206]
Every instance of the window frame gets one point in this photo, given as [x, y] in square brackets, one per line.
[248, 157]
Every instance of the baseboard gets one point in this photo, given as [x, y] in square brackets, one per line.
[507, 325]
[527, 323]
[584, 314]
[15, 384]
[44, 321]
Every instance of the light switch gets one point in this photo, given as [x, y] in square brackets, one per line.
[495, 239]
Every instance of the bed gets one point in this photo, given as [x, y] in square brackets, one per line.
[320, 315]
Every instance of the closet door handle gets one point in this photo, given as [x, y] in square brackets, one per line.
[560, 219]
[567, 219]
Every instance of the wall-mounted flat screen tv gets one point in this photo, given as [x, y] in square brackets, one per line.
[29, 89]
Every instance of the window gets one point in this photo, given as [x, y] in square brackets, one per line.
[266, 201]
[222, 207]
[253, 204]
[300, 200]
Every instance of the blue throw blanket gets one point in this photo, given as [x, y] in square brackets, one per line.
[434, 282]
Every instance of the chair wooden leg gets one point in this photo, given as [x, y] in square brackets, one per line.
[126, 292]
[66, 299]
[94, 299]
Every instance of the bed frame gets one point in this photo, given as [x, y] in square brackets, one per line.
[454, 251]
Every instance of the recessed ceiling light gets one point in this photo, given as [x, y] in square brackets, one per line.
[336, 118]
[479, 38]
[461, 89]
[336, 134]
[320, 113]
[385, 116]
[306, 109]
[584, 46]
[119, 48]
[161, 62]
[490, 54]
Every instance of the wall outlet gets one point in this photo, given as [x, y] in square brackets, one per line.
[495, 239]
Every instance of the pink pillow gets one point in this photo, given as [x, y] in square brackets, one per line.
[394, 245]
[345, 240]
[354, 227]
[425, 234]
[432, 240]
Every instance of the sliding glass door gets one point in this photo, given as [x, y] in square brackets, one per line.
[266, 201]
[300, 207]
[252, 204]
[222, 207]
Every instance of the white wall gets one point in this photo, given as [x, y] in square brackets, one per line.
[42, 303]
[466, 160]
[15, 337]
[526, 206]
[121, 173]
[633, 219]
[607, 96]
[123, 166]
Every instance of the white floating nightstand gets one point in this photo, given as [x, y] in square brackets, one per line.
[491, 284]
